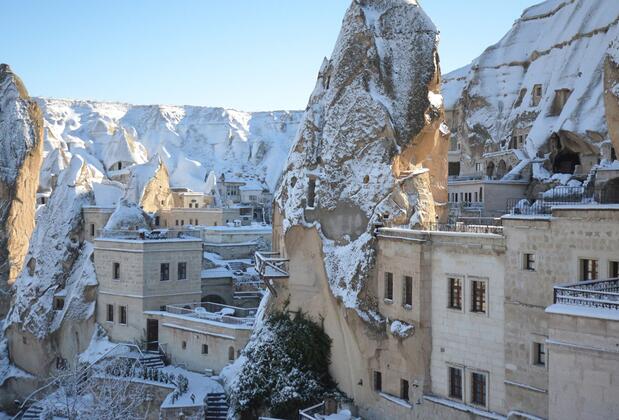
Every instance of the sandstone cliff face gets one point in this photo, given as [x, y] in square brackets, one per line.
[372, 144]
[21, 147]
[58, 264]
[545, 81]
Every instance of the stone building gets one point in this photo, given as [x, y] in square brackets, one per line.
[150, 293]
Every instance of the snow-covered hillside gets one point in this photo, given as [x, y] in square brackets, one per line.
[191, 140]
[545, 76]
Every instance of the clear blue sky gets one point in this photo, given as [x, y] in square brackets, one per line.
[243, 54]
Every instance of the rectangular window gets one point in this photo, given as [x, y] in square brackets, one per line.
[176, 222]
[116, 271]
[182, 270]
[164, 272]
[613, 269]
[204, 348]
[311, 193]
[539, 354]
[92, 229]
[110, 313]
[478, 388]
[404, 389]
[378, 381]
[588, 269]
[184, 345]
[478, 296]
[528, 262]
[455, 293]
[455, 383]
[122, 315]
[408, 291]
[389, 286]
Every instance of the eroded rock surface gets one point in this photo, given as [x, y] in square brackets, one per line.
[547, 84]
[21, 147]
[371, 148]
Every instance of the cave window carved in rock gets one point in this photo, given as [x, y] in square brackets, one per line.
[311, 192]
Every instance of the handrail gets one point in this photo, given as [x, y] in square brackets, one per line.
[36, 391]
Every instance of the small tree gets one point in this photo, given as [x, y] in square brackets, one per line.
[84, 393]
[286, 368]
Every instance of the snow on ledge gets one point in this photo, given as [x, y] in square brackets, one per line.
[584, 311]
[396, 400]
[464, 407]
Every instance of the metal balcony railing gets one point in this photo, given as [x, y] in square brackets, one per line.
[144, 234]
[270, 266]
[594, 293]
[466, 228]
[557, 196]
[215, 312]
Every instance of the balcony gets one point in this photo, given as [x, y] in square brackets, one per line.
[271, 266]
[215, 312]
[147, 235]
[603, 294]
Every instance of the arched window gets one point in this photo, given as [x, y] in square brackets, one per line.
[231, 353]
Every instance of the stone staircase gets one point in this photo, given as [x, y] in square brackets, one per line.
[152, 360]
[33, 412]
[216, 406]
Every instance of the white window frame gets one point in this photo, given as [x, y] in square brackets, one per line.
[469, 380]
[463, 293]
[469, 302]
[462, 369]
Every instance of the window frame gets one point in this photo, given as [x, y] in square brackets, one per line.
[123, 311]
[407, 292]
[583, 273]
[183, 271]
[452, 368]
[388, 287]
[536, 346]
[529, 264]
[109, 316]
[162, 271]
[460, 279]
[472, 300]
[116, 270]
[472, 390]
[611, 274]
[405, 390]
[377, 381]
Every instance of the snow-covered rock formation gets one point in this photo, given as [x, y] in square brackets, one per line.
[58, 266]
[372, 146]
[191, 141]
[548, 88]
[21, 146]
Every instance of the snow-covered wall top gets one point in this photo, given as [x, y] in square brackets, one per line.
[191, 140]
[558, 44]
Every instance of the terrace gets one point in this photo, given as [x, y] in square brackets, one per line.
[271, 266]
[602, 294]
[215, 312]
[147, 235]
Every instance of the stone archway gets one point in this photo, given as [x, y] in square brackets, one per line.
[565, 162]
[610, 192]
[490, 169]
[501, 169]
